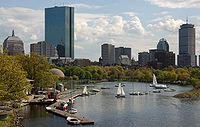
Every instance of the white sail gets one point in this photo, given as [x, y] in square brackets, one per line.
[119, 89]
[154, 80]
[123, 93]
[85, 90]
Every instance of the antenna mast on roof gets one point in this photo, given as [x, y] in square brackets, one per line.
[187, 20]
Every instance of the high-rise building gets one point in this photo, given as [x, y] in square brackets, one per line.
[187, 57]
[13, 44]
[43, 48]
[59, 27]
[143, 58]
[108, 54]
[165, 58]
[122, 51]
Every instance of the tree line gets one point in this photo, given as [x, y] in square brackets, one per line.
[182, 76]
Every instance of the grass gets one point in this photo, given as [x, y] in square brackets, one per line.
[190, 94]
[8, 121]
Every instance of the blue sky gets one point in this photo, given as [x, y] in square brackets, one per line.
[138, 24]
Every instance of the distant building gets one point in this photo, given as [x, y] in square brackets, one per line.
[13, 44]
[163, 45]
[165, 58]
[44, 49]
[152, 55]
[82, 62]
[187, 57]
[60, 61]
[123, 60]
[1, 48]
[122, 51]
[108, 54]
[143, 58]
[61, 49]
[59, 27]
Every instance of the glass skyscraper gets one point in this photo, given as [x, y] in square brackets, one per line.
[59, 28]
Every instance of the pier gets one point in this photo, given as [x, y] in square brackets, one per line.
[65, 114]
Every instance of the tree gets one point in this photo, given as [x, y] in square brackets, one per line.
[37, 68]
[13, 80]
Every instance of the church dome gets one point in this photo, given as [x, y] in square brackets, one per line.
[163, 45]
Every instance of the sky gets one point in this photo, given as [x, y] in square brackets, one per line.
[138, 24]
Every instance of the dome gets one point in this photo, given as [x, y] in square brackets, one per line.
[13, 38]
[57, 72]
[163, 45]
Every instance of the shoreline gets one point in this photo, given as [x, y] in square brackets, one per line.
[192, 94]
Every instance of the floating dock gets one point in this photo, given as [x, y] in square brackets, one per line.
[65, 114]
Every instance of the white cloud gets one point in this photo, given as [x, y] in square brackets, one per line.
[166, 23]
[84, 6]
[176, 3]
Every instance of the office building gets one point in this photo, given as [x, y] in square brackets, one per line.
[44, 49]
[108, 54]
[59, 27]
[187, 57]
[13, 44]
[143, 58]
[165, 58]
[122, 51]
[123, 60]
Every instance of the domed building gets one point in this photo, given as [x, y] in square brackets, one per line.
[13, 44]
[163, 45]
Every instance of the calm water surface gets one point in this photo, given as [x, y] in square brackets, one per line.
[153, 110]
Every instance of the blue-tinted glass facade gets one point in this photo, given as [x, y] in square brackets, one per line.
[59, 27]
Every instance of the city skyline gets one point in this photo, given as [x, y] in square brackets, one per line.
[122, 24]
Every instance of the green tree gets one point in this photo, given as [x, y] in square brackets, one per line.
[13, 80]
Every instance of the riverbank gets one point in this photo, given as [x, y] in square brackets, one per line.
[195, 93]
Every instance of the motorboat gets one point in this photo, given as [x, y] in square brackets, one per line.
[120, 92]
[72, 111]
[95, 90]
[72, 120]
[156, 85]
[48, 108]
[156, 91]
[134, 93]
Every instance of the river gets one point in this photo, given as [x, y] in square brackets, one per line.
[153, 110]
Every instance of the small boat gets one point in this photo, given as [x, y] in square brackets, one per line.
[48, 108]
[156, 85]
[85, 92]
[141, 93]
[105, 87]
[72, 111]
[120, 92]
[134, 93]
[95, 90]
[156, 91]
[74, 121]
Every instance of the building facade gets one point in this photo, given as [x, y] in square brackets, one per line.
[122, 51]
[187, 57]
[108, 54]
[123, 60]
[59, 27]
[163, 45]
[44, 49]
[143, 58]
[13, 44]
[165, 58]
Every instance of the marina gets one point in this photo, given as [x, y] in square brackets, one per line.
[156, 109]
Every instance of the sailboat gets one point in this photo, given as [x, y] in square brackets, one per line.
[85, 92]
[120, 92]
[155, 84]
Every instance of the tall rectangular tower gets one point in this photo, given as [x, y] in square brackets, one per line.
[108, 54]
[187, 57]
[122, 51]
[59, 29]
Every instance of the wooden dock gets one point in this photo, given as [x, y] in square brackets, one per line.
[65, 114]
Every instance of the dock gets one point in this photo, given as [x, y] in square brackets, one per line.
[65, 114]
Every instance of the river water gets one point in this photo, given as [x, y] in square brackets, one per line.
[153, 110]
